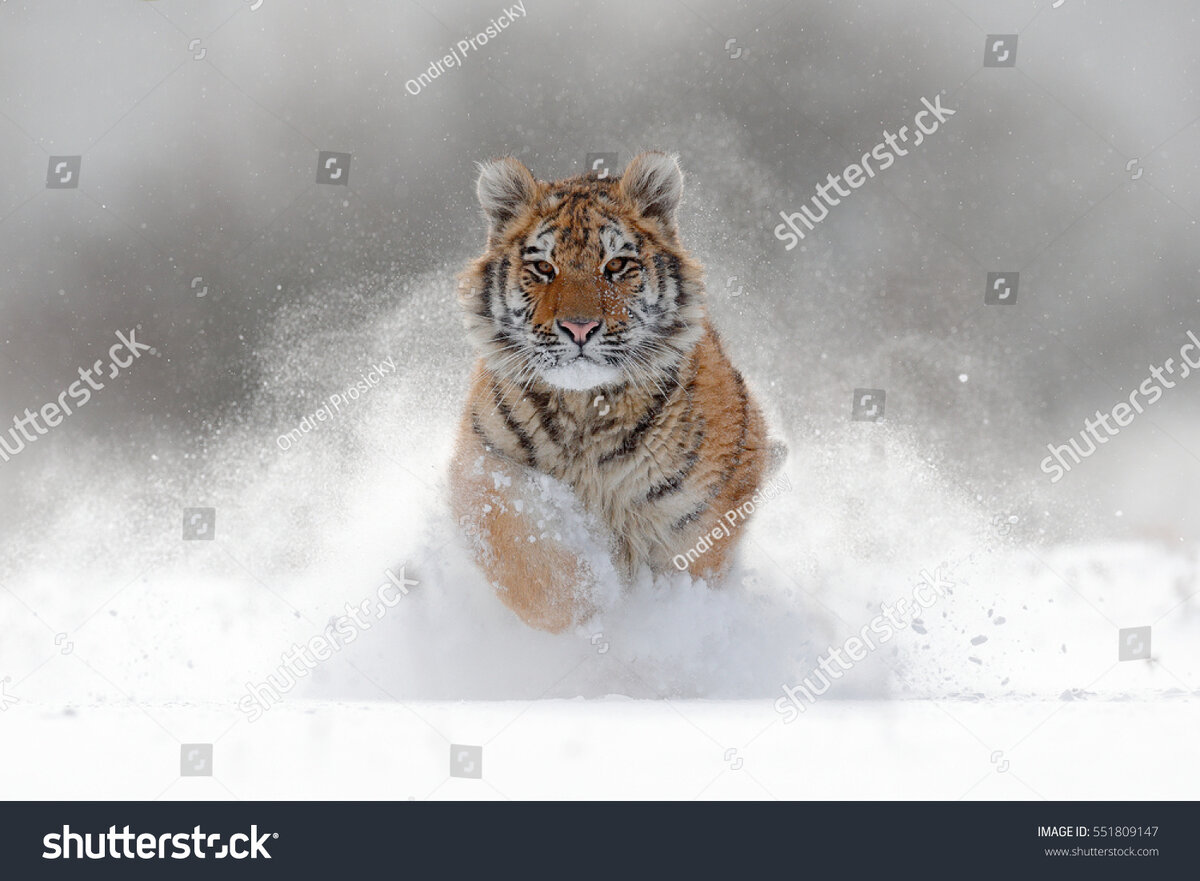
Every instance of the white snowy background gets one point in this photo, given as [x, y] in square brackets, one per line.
[121, 642]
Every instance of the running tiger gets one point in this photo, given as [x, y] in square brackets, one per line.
[599, 368]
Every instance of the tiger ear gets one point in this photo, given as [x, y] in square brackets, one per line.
[653, 181]
[505, 186]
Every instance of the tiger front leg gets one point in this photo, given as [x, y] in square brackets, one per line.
[516, 520]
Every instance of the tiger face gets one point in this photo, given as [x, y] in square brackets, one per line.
[584, 284]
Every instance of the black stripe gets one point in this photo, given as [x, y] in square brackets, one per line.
[480, 433]
[675, 327]
[502, 280]
[681, 294]
[720, 345]
[631, 441]
[745, 402]
[675, 482]
[486, 294]
[690, 517]
[660, 270]
[541, 406]
[517, 431]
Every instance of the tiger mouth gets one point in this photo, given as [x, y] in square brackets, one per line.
[579, 357]
[582, 357]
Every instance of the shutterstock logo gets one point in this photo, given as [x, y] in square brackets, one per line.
[31, 425]
[879, 158]
[68, 845]
[892, 619]
[1063, 456]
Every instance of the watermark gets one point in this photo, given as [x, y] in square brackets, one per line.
[300, 660]
[1133, 643]
[1000, 288]
[331, 408]
[333, 168]
[466, 761]
[7, 700]
[733, 517]
[856, 174]
[867, 405]
[1000, 50]
[603, 165]
[1056, 466]
[199, 524]
[52, 413]
[114, 845]
[892, 618]
[63, 172]
[195, 760]
[457, 55]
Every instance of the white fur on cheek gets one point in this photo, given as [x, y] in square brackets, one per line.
[581, 375]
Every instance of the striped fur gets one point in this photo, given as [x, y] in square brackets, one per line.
[645, 420]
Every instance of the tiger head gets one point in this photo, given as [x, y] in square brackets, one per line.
[584, 283]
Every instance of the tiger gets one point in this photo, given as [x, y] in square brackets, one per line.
[597, 369]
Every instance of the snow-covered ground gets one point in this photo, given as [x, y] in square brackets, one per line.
[1015, 666]
[612, 748]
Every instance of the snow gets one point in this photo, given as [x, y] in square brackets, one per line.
[645, 700]
[612, 748]
[121, 642]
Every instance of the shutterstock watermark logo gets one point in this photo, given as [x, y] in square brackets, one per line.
[1151, 389]
[300, 660]
[34, 424]
[333, 168]
[892, 618]
[127, 845]
[63, 172]
[603, 165]
[879, 158]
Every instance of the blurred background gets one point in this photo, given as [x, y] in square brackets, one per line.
[198, 217]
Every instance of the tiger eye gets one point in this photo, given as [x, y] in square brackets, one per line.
[616, 264]
[544, 268]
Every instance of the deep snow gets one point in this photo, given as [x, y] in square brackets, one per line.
[121, 641]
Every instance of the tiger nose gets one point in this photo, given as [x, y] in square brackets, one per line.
[579, 331]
